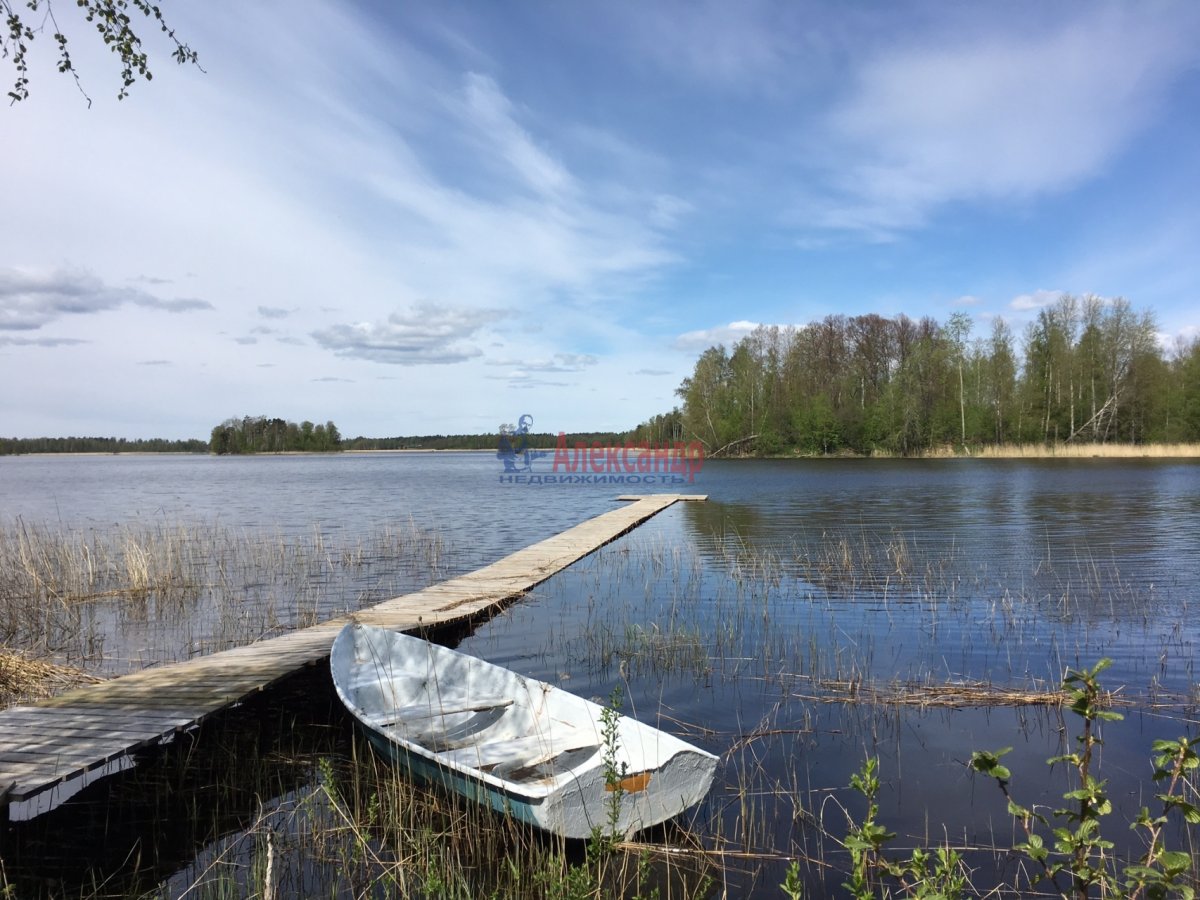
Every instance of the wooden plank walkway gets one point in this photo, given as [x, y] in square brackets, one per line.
[44, 744]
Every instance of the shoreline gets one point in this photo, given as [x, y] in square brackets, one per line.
[1000, 451]
[206, 455]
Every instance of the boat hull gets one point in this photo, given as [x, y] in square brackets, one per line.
[522, 747]
[423, 771]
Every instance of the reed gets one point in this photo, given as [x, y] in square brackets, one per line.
[357, 829]
[110, 602]
[1055, 450]
[953, 695]
[1088, 451]
[23, 679]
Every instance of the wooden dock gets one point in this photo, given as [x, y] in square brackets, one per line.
[45, 744]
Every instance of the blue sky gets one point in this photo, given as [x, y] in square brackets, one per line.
[434, 217]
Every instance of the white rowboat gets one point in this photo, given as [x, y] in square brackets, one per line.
[524, 747]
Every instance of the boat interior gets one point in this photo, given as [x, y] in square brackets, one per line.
[490, 735]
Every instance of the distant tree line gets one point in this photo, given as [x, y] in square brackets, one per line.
[541, 440]
[1085, 369]
[258, 434]
[13, 446]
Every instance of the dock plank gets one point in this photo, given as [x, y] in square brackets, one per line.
[43, 744]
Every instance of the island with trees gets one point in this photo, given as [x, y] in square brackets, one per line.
[258, 434]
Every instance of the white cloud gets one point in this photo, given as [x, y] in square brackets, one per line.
[524, 381]
[10, 341]
[1185, 337]
[559, 362]
[494, 117]
[32, 299]
[996, 111]
[532, 372]
[1036, 300]
[722, 334]
[423, 335]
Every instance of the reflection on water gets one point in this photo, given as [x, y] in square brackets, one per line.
[745, 623]
[183, 804]
[459, 495]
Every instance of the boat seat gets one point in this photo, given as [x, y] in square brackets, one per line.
[448, 707]
[518, 753]
[546, 768]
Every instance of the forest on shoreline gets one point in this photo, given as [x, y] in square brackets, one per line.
[20, 446]
[257, 434]
[1086, 370]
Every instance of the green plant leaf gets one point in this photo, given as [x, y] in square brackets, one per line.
[1016, 810]
[1175, 862]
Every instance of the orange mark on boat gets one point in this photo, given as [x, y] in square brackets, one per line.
[630, 785]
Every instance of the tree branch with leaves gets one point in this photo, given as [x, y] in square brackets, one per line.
[116, 23]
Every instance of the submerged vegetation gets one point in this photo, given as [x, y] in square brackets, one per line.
[1069, 848]
[1085, 370]
[1078, 850]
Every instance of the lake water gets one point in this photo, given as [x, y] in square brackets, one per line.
[749, 623]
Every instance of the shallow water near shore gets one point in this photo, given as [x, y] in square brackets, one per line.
[778, 624]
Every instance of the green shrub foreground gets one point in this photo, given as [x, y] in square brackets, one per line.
[1067, 847]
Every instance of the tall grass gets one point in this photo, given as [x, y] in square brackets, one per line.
[110, 602]
[1089, 450]
[1058, 450]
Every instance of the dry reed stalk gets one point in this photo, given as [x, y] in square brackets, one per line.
[1088, 450]
[948, 694]
[137, 567]
[1050, 451]
[22, 678]
[138, 595]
